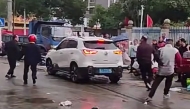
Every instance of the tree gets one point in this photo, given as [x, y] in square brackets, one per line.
[68, 9]
[108, 18]
[175, 10]
[3, 8]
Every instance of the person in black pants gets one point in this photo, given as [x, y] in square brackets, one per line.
[144, 58]
[12, 50]
[169, 56]
[182, 49]
[32, 57]
[132, 53]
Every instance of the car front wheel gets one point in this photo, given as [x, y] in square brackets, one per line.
[50, 67]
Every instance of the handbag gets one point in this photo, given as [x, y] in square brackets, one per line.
[126, 58]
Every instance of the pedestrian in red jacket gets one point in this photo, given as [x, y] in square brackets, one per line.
[161, 42]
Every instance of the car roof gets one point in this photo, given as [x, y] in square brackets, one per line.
[88, 38]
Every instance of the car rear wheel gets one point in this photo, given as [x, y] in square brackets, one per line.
[50, 67]
[114, 78]
[184, 80]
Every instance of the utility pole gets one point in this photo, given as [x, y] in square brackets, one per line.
[9, 15]
[141, 24]
[24, 22]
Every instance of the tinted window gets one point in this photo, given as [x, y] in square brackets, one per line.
[6, 38]
[107, 45]
[62, 45]
[72, 44]
[58, 38]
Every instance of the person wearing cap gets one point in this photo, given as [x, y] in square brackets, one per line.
[182, 49]
[12, 50]
[32, 57]
[169, 56]
[144, 54]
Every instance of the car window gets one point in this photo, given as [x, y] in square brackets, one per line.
[105, 45]
[62, 45]
[72, 44]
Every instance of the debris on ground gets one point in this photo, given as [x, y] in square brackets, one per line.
[175, 89]
[145, 103]
[65, 103]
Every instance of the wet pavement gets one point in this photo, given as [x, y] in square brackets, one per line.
[51, 90]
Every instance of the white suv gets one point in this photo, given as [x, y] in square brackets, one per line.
[83, 57]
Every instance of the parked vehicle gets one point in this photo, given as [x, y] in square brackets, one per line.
[83, 57]
[48, 33]
[185, 69]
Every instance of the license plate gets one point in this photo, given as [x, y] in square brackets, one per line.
[105, 71]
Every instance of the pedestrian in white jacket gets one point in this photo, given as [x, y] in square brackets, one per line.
[168, 56]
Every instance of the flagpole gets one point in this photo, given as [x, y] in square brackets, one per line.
[24, 22]
[141, 24]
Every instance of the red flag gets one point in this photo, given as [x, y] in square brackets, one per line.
[149, 22]
[126, 20]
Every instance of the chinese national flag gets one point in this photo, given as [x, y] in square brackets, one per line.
[149, 22]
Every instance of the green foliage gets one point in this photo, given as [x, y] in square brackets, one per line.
[3, 12]
[68, 9]
[175, 10]
[108, 18]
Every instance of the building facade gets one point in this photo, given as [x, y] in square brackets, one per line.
[104, 3]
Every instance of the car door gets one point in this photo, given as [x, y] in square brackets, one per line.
[70, 52]
[60, 53]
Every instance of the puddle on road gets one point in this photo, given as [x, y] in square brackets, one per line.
[38, 100]
[7, 92]
[13, 97]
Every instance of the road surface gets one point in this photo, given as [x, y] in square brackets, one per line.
[51, 90]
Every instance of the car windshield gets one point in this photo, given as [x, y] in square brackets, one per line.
[106, 45]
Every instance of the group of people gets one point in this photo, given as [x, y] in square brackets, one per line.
[31, 53]
[165, 54]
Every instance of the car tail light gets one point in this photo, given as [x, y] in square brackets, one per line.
[101, 41]
[89, 52]
[119, 52]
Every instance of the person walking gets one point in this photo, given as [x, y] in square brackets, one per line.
[132, 53]
[144, 58]
[169, 56]
[32, 57]
[182, 49]
[12, 50]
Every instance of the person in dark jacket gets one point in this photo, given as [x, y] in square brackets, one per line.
[32, 57]
[12, 50]
[155, 44]
[182, 49]
[144, 58]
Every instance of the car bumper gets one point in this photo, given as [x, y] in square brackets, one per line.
[91, 71]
